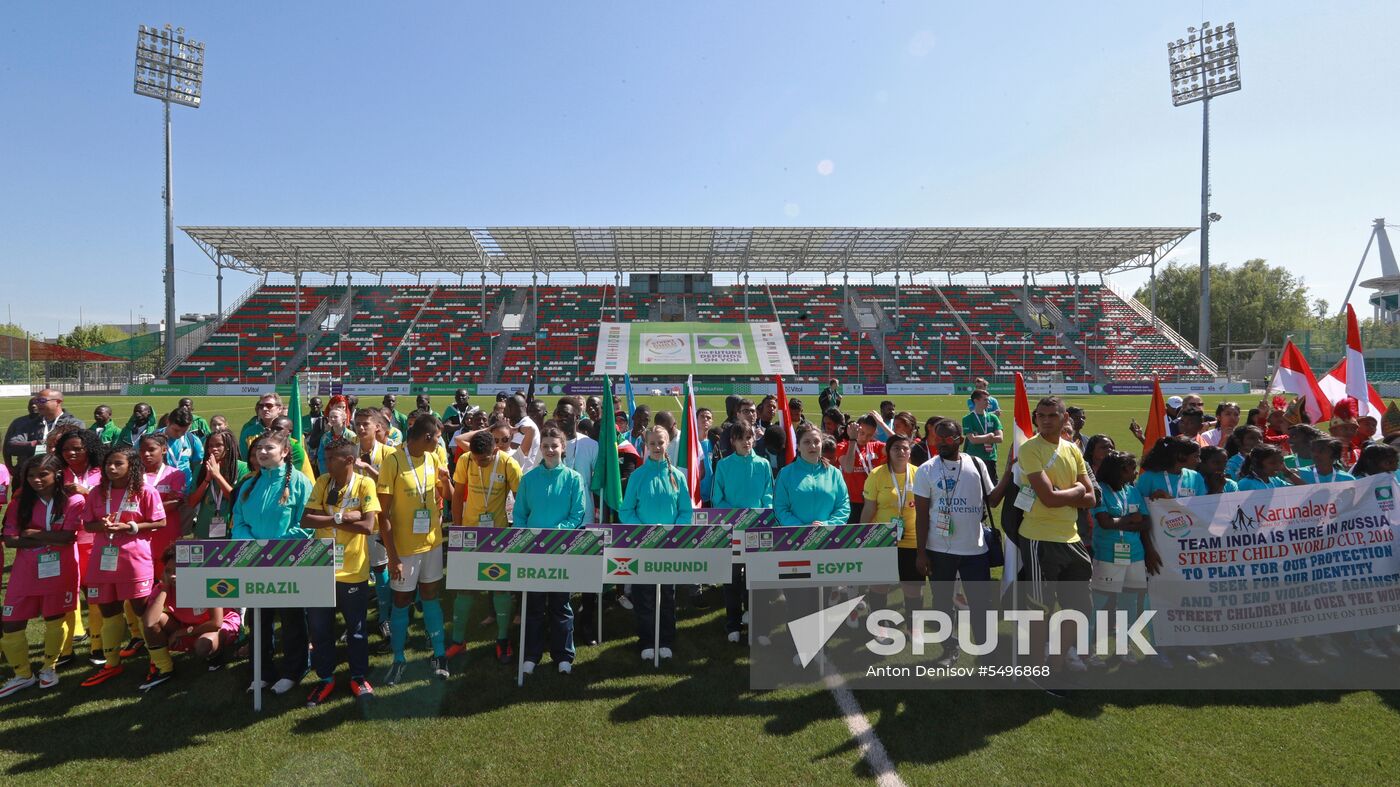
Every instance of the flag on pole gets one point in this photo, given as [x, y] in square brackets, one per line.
[1334, 389]
[631, 400]
[1022, 427]
[789, 428]
[1157, 424]
[689, 458]
[1357, 387]
[294, 407]
[1295, 376]
[607, 474]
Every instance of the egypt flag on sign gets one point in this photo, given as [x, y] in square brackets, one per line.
[794, 569]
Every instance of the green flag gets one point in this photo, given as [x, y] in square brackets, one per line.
[294, 407]
[607, 474]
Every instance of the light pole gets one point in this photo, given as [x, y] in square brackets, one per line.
[1203, 65]
[169, 68]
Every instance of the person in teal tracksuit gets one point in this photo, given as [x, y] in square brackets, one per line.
[741, 480]
[269, 503]
[657, 494]
[811, 491]
[550, 496]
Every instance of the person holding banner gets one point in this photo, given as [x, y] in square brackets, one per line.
[122, 512]
[1264, 468]
[1212, 470]
[810, 491]
[657, 494]
[41, 526]
[485, 475]
[1327, 465]
[1238, 447]
[550, 496]
[1122, 557]
[343, 506]
[413, 482]
[269, 504]
[741, 480]
[1167, 470]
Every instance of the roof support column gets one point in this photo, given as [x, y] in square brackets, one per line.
[617, 296]
[220, 268]
[483, 298]
[899, 262]
[1152, 291]
[746, 296]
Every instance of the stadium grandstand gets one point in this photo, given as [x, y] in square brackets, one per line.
[338, 318]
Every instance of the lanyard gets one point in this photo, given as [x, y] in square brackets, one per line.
[864, 458]
[1121, 497]
[981, 422]
[125, 493]
[951, 489]
[48, 515]
[218, 497]
[345, 493]
[420, 485]
[1171, 487]
[47, 427]
[900, 495]
[489, 482]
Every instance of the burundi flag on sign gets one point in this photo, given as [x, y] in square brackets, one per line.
[622, 566]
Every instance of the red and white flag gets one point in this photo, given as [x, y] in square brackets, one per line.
[1348, 377]
[1295, 376]
[789, 428]
[1022, 427]
[693, 455]
[1334, 388]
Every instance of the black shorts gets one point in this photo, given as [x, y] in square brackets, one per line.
[1055, 571]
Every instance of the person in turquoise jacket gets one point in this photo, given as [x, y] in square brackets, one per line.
[657, 494]
[269, 503]
[1265, 469]
[741, 480]
[811, 491]
[550, 496]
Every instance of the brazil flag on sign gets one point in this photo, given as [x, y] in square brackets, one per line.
[493, 572]
[222, 588]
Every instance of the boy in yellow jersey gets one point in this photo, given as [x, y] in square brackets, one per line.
[413, 482]
[343, 505]
[485, 475]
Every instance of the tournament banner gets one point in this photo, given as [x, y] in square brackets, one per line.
[806, 556]
[524, 558]
[666, 554]
[685, 348]
[293, 572]
[738, 520]
[1276, 564]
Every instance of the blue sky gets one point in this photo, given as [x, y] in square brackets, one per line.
[930, 114]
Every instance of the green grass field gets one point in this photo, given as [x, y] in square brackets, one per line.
[616, 720]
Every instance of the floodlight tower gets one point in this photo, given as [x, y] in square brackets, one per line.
[170, 69]
[1203, 65]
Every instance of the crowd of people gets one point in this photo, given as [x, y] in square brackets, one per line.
[94, 513]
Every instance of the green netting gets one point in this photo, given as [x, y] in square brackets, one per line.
[138, 346]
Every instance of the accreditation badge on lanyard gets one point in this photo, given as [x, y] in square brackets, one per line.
[48, 558]
[108, 560]
[901, 496]
[487, 519]
[218, 524]
[422, 517]
[339, 554]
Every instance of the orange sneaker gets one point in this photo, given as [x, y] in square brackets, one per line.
[103, 675]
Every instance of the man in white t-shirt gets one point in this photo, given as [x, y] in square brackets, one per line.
[525, 441]
[952, 492]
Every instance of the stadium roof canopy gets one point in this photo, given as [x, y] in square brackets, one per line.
[789, 250]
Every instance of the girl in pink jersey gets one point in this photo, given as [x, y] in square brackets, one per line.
[82, 452]
[170, 484]
[208, 631]
[41, 527]
[122, 512]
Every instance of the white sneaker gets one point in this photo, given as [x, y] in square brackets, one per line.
[1327, 648]
[566, 668]
[733, 636]
[624, 602]
[1131, 657]
[1074, 664]
[283, 686]
[665, 653]
[1372, 650]
[764, 640]
[47, 678]
[1094, 662]
[1260, 657]
[528, 668]
[746, 618]
[17, 684]
[255, 685]
[648, 654]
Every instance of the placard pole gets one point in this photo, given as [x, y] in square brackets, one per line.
[257, 659]
[656, 641]
[524, 616]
